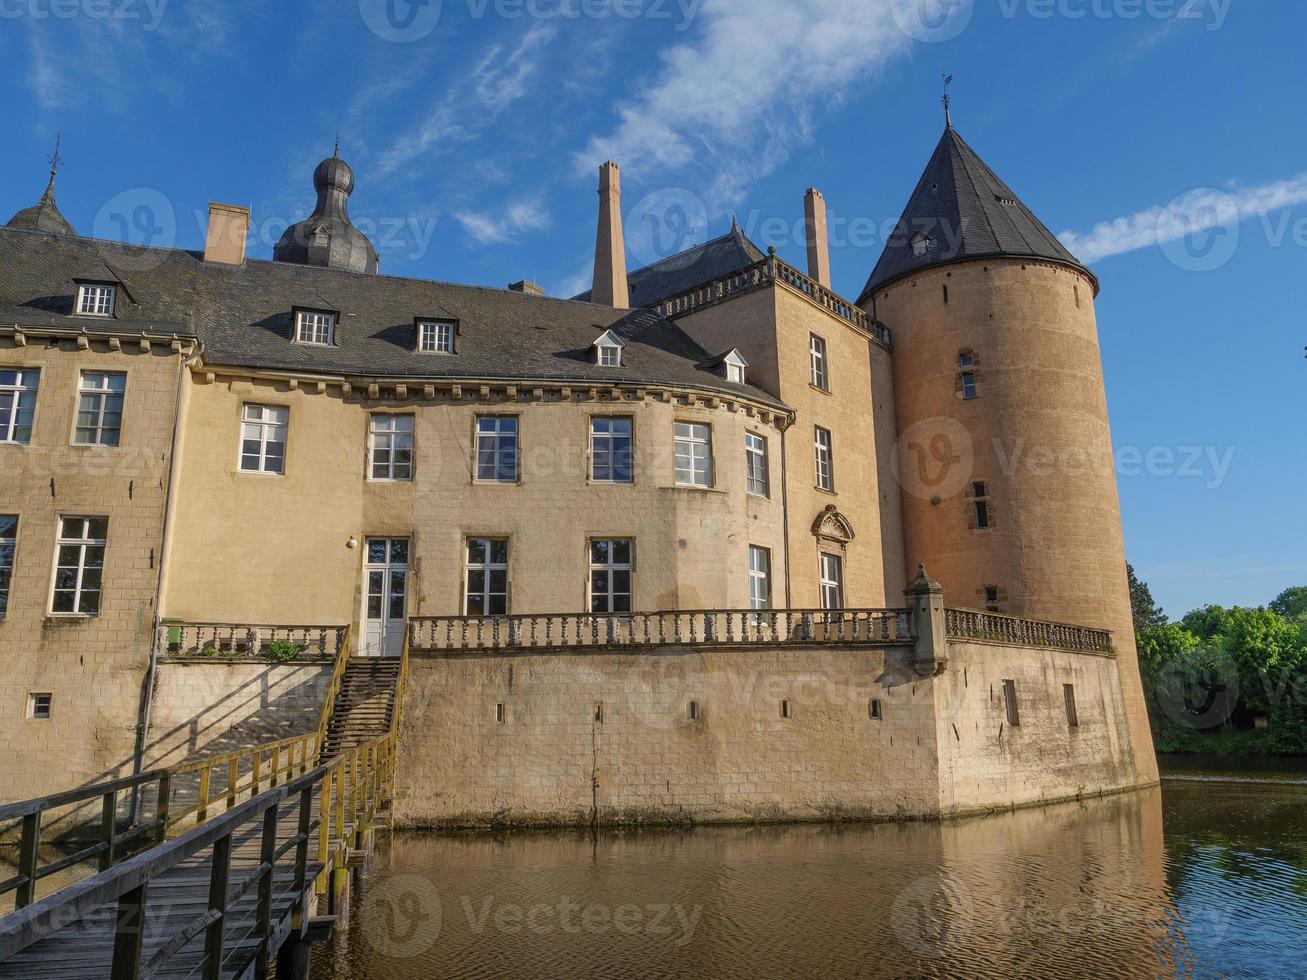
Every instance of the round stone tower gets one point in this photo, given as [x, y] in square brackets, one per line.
[1005, 452]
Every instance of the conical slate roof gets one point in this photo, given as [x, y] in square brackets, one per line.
[44, 216]
[960, 211]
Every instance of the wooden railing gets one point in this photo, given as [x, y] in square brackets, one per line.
[720, 627]
[333, 687]
[333, 805]
[971, 624]
[772, 269]
[166, 799]
[241, 640]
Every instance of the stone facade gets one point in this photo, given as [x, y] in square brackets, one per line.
[94, 666]
[708, 735]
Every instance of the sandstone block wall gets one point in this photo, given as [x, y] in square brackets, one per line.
[610, 737]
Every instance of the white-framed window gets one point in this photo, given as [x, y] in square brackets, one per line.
[496, 448]
[18, 388]
[756, 473]
[100, 408]
[759, 577]
[610, 575]
[8, 548]
[610, 450]
[391, 447]
[79, 565]
[608, 349]
[832, 581]
[40, 705]
[817, 362]
[436, 337]
[96, 299]
[263, 438]
[315, 327]
[694, 454]
[821, 446]
[485, 577]
[735, 373]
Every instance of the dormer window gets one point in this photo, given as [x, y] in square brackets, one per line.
[922, 244]
[436, 336]
[96, 299]
[732, 367]
[608, 350]
[315, 327]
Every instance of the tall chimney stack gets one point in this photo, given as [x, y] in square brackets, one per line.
[229, 226]
[814, 215]
[610, 287]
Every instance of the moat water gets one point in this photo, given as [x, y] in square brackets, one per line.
[1205, 877]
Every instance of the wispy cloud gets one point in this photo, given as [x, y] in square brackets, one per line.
[1197, 211]
[741, 97]
[506, 224]
[497, 81]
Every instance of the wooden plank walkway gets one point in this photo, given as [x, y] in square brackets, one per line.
[174, 899]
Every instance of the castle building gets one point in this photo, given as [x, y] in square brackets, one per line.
[206, 438]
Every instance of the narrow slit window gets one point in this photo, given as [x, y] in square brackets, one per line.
[785, 708]
[980, 499]
[1069, 698]
[1010, 701]
[694, 710]
[875, 709]
[501, 712]
[8, 547]
[599, 712]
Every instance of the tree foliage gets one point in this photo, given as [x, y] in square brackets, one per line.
[1225, 679]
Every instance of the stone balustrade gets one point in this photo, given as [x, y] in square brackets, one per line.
[246, 641]
[971, 624]
[698, 628]
[772, 269]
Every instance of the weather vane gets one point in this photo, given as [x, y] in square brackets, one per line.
[56, 159]
[337, 153]
[948, 102]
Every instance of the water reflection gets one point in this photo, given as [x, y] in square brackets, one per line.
[1071, 890]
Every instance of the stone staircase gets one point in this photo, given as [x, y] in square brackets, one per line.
[365, 706]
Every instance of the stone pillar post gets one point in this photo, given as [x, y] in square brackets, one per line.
[926, 610]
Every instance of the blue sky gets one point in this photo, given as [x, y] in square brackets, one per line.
[475, 128]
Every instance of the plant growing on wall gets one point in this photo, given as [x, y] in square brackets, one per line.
[282, 651]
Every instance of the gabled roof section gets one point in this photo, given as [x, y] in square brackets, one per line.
[609, 339]
[690, 268]
[965, 212]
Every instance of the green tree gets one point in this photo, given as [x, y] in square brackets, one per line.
[1291, 603]
[1147, 614]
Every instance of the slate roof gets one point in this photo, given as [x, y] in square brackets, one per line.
[44, 215]
[697, 265]
[969, 213]
[244, 317]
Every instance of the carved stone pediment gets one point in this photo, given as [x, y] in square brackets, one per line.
[833, 527]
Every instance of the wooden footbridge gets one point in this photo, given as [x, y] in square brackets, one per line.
[216, 868]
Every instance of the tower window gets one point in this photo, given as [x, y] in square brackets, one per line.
[991, 599]
[875, 710]
[967, 375]
[694, 710]
[980, 500]
[785, 708]
[501, 712]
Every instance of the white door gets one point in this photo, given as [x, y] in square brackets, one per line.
[385, 597]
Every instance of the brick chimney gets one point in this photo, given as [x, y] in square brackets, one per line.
[610, 286]
[229, 226]
[814, 223]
